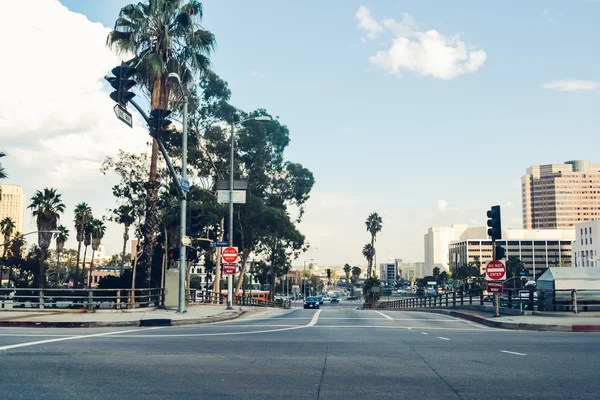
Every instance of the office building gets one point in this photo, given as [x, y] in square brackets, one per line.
[586, 244]
[408, 270]
[537, 249]
[436, 241]
[13, 205]
[388, 273]
[558, 196]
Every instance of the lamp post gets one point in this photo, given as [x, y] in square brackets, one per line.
[230, 277]
[175, 79]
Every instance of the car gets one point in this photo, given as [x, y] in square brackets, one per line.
[326, 298]
[335, 299]
[311, 302]
[320, 299]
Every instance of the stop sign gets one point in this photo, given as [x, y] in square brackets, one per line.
[496, 271]
[230, 255]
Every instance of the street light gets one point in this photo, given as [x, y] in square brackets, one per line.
[230, 277]
[176, 80]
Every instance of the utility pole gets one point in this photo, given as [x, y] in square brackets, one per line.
[230, 277]
[183, 220]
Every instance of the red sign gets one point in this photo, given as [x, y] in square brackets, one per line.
[495, 271]
[229, 255]
[495, 287]
[229, 270]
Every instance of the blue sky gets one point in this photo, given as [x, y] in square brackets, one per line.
[420, 148]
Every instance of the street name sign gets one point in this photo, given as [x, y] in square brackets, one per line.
[495, 271]
[229, 255]
[239, 196]
[495, 286]
[185, 185]
[123, 115]
[219, 244]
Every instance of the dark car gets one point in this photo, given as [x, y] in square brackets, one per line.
[320, 299]
[311, 302]
[335, 299]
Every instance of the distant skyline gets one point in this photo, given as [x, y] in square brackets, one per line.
[426, 112]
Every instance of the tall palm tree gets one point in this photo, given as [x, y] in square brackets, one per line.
[3, 174]
[125, 215]
[7, 227]
[374, 224]
[347, 269]
[87, 240]
[368, 252]
[46, 207]
[61, 238]
[83, 215]
[97, 230]
[16, 249]
[164, 36]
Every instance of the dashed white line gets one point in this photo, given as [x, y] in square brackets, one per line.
[383, 315]
[424, 333]
[512, 352]
[443, 338]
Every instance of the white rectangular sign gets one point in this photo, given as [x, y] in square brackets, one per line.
[239, 196]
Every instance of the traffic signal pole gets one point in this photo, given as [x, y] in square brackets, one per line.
[230, 277]
[183, 220]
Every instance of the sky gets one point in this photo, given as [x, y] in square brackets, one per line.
[426, 112]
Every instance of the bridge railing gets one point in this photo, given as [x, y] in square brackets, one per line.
[202, 296]
[453, 299]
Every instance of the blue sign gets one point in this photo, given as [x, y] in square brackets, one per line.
[219, 244]
[185, 185]
[522, 273]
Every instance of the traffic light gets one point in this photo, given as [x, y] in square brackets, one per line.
[122, 83]
[158, 123]
[500, 253]
[193, 221]
[191, 254]
[495, 226]
[328, 273]
[173, 254]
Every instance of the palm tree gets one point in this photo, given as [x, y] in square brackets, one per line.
[46, 207]
[61, 237]
[87, 240]
[7, 227]
[356, 271]
[368, 252]
[16, 249]
[347, 269]
[125, 215]
[164, 36]
[83, 215]
[3, 174]
[374, 224]
[97, 231]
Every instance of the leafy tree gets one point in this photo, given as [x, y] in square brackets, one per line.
[372, 297]
[14, 256]
[347, 269]
[46, 207]
[165, 36]
[514, 266]
[443, 278]
[356, 271]
[97, 230]
[7, 227]
[61, 238]
[374, 224]
[125, 215]
[436, 273]
[83, 215]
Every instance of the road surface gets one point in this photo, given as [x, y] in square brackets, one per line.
[337, 352]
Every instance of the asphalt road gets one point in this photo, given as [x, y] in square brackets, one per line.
[337, 352]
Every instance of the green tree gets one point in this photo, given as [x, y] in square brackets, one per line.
[14, 255]
[61, 238]
[7, 227]
[3, 174]
[97, 230]
[347, 269]
[443, 278]
[372, 291]
[368, 252]
[83, 215]
[514, 266]
[374, 225]
[356, 271]
[436, 273]
[126, 215]
[46, 207]
[165, 36]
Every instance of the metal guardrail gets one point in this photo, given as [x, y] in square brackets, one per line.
[569, 300]
[79, 299]
[453, 299]
[201, 296]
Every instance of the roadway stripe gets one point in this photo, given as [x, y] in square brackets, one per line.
[61, 339]
[512, 352]
[424, 333]
[443, 338]
[383, 315]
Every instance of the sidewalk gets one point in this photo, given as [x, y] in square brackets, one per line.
[561, 322]
[196, 314]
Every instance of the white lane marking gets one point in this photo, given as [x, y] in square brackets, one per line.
[443, 338]
[315, 318]
[383, 315]
[512, 352]
[424, 333]
[31, 335]
[61, 339]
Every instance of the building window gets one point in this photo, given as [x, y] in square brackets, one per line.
[586, 231]
[581, 231]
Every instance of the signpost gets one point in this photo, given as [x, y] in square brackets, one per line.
[495, 271]
[495, 287]
[124, 115]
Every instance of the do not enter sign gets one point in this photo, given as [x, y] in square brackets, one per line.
[495, 271]
[229, 255]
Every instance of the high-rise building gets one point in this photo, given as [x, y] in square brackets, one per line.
[586, 244]
[558, 196]
[436, 241]
[13, 205]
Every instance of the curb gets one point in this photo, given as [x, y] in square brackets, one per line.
[139, 323]
[525, 326]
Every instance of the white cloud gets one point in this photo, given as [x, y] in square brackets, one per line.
[442, 205]
[571, 85]
[427, 53]
[367, 23]
[551, 15]
[254, 74]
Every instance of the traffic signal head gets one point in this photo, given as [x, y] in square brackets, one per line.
[122, 83]
[193, 223]
[191, 254]
[328, 273]
[158, 123]
[173, 254]
[500, 253]
[494, 223]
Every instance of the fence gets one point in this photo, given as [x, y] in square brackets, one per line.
[453, 299]
[202, 296]
[570, 300]
[82, 299]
